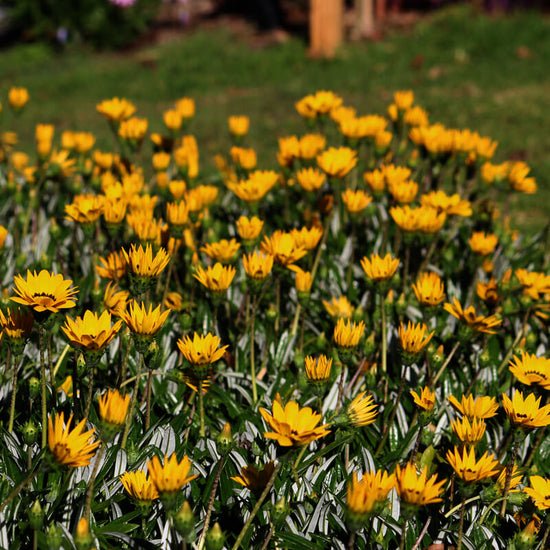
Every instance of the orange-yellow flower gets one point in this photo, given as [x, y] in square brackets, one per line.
[337, 162]
[283, 248]
[526, 412]
[483, 243]
[531, 370]
[418, 490]
[468, 316]
[215, 278]
[379, 269]
[116, 109]
[426, 399]
[428, 289]
[91, 332]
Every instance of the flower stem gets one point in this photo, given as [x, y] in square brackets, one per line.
[130, 416]
[444, 366]
[202, 431]
[256, 508]
[124, 361]
[43, 385]
[148, 407]
[403, 535]
[417, 443]
[18, 489]
[252, 353]
[93, 475]
[422, 533]
[384, 348]
[509, 471]
[461, 524]
[13, 392]
[211, 503]
[90, 391]
[351, 540]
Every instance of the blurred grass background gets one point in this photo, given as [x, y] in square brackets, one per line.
[468, 70]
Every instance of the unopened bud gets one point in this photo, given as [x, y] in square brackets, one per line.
[30, 433]
[34, 387]
[215, 538]
[184, 520]
[224, 442]
[83, 538]
[36, 516]
[53, 537]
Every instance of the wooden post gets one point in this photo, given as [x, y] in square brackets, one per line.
[365, 26]
[326, 27]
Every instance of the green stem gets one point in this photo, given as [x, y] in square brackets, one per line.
[457, 507]
[403, 535]
[148, 407]
[252, 354]
[351, 541]
[90, 391]
[13, 391]
[509, 472]
[384, 348]
[461, 524]
[202, 431]
[130, 416]
[257, 506]
[277, 303]
[50, 366]
[417, 443]
[488, 509]
[93, 475]
[124, 361]
[18, 489]
[444, 366]
[211, 503]
[519, 336]
[43, 385]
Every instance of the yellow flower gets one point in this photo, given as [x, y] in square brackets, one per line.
[417, 489]
[428, 289]
[177, 189]
[186, 158]
[379, 269]
[403, 192]
[469, 432]
[310, 179]
[477, 323]
[318, 369]
[337, 162]
[311, 145]
[320, 103]
[256, 186]
[174, 300]
[534, 283]
[141, 262]
[177, 214]
[83, 141]
[216, 278]
[249, 228]
[341, 113]
[238, 125]
[161, 161]
[416, 116]
[292, 426]
[16, 325]
[480, 407]
[18, 97]
[494, 173]
[414, 339]
[515, 480]
[113, 408]
[526, 412]
[531, 370]
[339, 307]
[113, 267]
[253, 479]
[539, 491]
[304, 281]
[138, 486]
[307, 238]
[283, 248]
[403, 99]
[289, 149]
[170, 477]
[245, 158]
[488, 292]
[361, 411]
[470, 470]
[426, 399]
[115, 300]
[258, 266]
[133, 129]
[223, 251]
[483, 243]
[375, 180]
[116, 109]
[202, 349]
[19, 160]
[451, 205]
[186, 107]
[3, 235]
[114, 211]
[44, 292]
[172, 119]
[60, 164]
[70, 448]
[355, 201]
[373, 487]
[85, 209]
[518, 180]
[347, 333]
[91, 333]
[142, 321]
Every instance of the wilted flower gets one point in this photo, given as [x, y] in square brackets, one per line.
[254, 479]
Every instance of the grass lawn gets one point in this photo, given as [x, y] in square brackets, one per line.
[488, 74]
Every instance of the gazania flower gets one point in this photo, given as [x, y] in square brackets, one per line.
[142, 264]
[244, 158]
[186, 107]
[480, 407]
[283, 248]
[539, 492]
[482, 243]
[71, 448]
[488, 292]
[402, 191]
[339, 307]
[515, 480]
[177, 215]
[253, 189]
[292, 426]
[85, 209]
[133, 130]
[113, 408]
[304, 281]
[347, 334]
[470, 470]
[215, 278]
[318, 104]
[18, 98]
[307, 238]
[289, 150]
[379, 269]
[310, 179]
[413, 339]
[253, 479]
[476, 323]
[16, 326]
[113, 267]
[363, 495]
[416, 116]
[452, 205]
[376, 181]
[318, 369]
[534, 283]
[526, 413]
[258, 266]
[531, 370]
[139, 487]
[337, 163]
[114, 211]
[355, 201]
[144, 323]
[426, 399]
[223, 251]
[342, 112]
[238, 125]
[91, 333]
[44, 292]
[469, 432]
[311, 145]
[174, 300]
[202, 350]
[170, 477]
[116, 109]
[249, 228]
[361, 411]
[416, 489]
[518, 180]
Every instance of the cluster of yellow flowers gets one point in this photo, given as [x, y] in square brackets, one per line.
[378, 231]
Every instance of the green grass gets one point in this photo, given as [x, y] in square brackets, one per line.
[465, 69]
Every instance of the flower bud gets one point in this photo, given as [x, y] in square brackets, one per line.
[36, 516]
[215, 538]
[53, 537]
[224, 441]
[34, 387]
[30, 433]
[280, 511]
[83, 539]
[184, 520]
